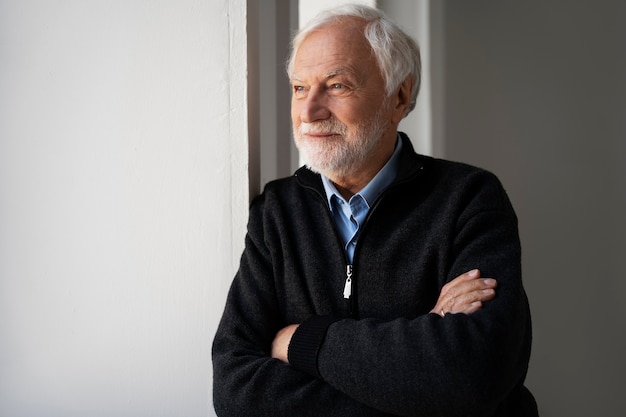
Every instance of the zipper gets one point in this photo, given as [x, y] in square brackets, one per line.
[347, 293]
[347, 288]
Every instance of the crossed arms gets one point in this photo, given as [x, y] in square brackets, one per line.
[464, 294]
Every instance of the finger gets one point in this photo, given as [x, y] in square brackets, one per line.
[465, 293]
[468, 301]
[475, 296]
[461, 288]
[472, 308]
[468, 276]
[479, 294]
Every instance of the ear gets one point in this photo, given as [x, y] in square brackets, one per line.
[402, 99]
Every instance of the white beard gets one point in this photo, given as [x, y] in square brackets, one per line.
[345, 152]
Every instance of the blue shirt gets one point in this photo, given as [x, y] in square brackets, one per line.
[350, 215]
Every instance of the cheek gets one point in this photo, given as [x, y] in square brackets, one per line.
[295, 112]
[357, 109]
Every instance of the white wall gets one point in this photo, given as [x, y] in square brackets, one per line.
[123, 201]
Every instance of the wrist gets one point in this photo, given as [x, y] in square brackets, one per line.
[306, 342]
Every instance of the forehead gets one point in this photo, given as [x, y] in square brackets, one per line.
[338, 47]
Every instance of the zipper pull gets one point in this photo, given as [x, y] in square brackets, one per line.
[347, 289]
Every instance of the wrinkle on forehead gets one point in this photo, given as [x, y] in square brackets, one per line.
[339, 47]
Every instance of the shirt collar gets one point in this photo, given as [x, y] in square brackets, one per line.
[375, 187]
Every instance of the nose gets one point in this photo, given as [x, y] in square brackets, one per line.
[313, 107]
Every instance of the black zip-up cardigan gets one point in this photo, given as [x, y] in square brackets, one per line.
[381, 353]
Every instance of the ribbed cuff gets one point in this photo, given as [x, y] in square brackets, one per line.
[306, 342]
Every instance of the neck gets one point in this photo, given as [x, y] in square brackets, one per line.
[346, 193]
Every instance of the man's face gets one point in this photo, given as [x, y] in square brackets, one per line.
[339, 108]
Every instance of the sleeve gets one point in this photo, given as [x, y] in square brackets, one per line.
[246, 380]
[458, 365]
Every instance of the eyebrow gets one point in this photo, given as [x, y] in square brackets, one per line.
[336, 72]
[329, 75]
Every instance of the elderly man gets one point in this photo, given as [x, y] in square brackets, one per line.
[362, 289]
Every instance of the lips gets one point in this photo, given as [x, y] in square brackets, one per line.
[320, 134]
[317, 134]
[307, 130]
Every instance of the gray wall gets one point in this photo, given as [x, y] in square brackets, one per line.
[536, 92]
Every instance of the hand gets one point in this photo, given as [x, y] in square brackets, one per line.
[280, 344]
[465, 294]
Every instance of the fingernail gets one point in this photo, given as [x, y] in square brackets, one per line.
[489, 282]
[473, 273]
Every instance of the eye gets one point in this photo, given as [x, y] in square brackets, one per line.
[299, 91]
[338, 89]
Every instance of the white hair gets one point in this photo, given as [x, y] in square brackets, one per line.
[397, 54]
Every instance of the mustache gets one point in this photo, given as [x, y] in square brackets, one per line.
[323, 127]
